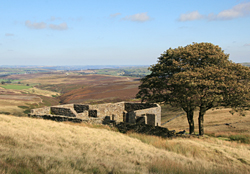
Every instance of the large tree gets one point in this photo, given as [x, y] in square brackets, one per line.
[198, 75]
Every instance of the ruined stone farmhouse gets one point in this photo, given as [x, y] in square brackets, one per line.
[110, 112]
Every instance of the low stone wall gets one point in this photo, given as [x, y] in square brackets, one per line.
[65, 118]
[40, 111]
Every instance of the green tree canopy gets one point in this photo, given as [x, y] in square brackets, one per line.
[198, 75]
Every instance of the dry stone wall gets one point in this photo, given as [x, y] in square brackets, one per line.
[40, 111]
[138, 106]
[151, 120]
[63, 111]
[113, 110]
[81, 108]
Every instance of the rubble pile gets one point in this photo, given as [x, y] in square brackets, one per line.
[145, 129]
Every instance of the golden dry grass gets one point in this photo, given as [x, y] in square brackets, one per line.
[10, 105]
[38, 146]
[215, 122]
[37, 91]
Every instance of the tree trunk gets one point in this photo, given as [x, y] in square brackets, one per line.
[201, 121]
[190, 116]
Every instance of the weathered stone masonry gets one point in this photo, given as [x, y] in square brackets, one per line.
[118, 112]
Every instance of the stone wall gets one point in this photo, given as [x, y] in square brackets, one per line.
[70, 112]
[40, 111]
[81, 108]
[118, 112]
[65, 106]
[113, 110]
[65, 118]
[155, 110]
[138, 106]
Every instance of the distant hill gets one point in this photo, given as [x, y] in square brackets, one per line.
[74, 67]
[246, 64]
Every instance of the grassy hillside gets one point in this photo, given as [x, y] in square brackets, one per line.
[216, 122]
[38, 146]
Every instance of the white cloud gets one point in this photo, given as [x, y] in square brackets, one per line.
[240, 10]
[40, 25]
[62, 26]
[9, 34]
[195, 15]
[114, 15]
[247, 44]
[139, 17]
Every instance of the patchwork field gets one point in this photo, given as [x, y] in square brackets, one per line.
[38, 146]
[86, 88]
[39, 89]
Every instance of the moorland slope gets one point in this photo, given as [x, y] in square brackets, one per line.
[40, 146]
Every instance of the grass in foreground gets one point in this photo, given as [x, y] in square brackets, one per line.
[39, 146]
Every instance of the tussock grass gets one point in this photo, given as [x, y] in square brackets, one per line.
[207, 149]
[40, 146]
[163, 167]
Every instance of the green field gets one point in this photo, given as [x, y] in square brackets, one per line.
[18, 87]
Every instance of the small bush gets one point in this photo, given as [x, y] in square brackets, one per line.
[5, 113]
[23, 107]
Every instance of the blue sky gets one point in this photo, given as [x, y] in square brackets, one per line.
[118, 32]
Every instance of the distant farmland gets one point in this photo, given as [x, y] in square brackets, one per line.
[18, 87]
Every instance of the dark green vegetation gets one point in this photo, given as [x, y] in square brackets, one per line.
[199, 75]
[240, 138]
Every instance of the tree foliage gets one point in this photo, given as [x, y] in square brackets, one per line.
[199, 75]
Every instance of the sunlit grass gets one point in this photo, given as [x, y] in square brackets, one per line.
[17, 87]
[40, 146]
